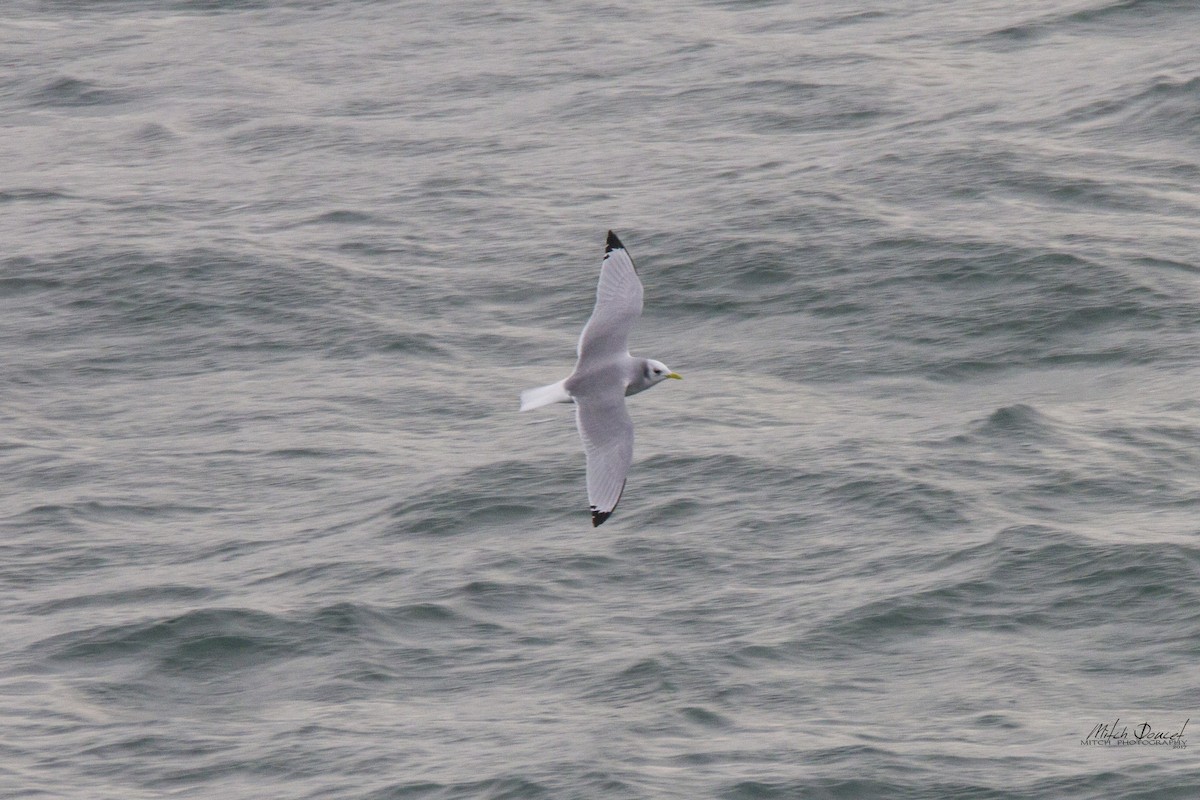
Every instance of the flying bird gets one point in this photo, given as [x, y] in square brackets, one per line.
[604, 376]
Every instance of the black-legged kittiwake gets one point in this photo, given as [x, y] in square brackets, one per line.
[604, 376]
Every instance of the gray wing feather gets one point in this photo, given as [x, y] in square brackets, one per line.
[607, 433]
[618, 305]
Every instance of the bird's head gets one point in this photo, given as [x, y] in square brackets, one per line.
[657, 372]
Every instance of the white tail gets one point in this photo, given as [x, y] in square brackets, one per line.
[544, 396]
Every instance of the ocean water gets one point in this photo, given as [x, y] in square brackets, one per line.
[922, 520]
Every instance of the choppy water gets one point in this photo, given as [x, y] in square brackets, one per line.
[922, 515]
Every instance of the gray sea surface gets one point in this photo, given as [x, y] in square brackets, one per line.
[922, 520]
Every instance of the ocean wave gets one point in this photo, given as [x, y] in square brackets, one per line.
[1029, 578]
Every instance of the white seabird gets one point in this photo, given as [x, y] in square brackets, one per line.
[604, 376]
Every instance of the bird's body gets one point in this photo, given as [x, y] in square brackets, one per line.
[604, 376]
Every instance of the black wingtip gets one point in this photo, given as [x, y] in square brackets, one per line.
[598, 517]
[612, 243]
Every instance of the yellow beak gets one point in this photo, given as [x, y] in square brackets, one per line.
[675, 375]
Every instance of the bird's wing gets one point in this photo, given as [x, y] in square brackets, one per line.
[618, 305]
[607, 433]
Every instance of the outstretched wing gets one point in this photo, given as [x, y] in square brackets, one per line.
[618, 305]
[607, 433]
